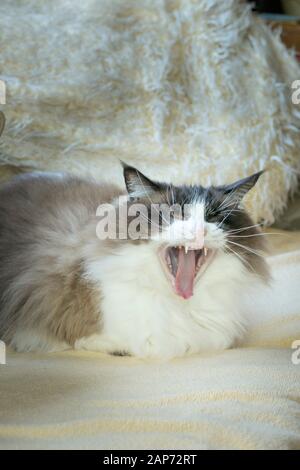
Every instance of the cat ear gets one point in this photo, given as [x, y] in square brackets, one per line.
[137, 184]
[239, 188]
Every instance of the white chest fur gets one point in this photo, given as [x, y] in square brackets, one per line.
[142, 316]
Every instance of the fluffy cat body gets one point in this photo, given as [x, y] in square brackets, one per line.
[61, 287]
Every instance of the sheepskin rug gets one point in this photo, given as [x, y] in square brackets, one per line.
[186, 90]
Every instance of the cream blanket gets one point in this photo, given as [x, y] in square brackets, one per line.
[246, 398]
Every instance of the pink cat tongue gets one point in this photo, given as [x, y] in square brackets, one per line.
[184, 281]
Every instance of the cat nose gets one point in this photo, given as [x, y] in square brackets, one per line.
[197, 243]
[200, 239]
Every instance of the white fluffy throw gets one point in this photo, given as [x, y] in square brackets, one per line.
[186, 90]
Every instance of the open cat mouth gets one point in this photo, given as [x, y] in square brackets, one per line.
[184, 266]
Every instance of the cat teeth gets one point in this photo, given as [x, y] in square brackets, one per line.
[186, 249]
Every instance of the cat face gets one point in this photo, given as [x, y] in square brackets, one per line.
[188, 225]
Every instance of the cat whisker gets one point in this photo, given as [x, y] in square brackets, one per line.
[229, 212]
[226, 200]
[226, 206]
[244, 228]
[151, 222]
[247, 249]
[233, 210]
[244, 261]
[263, 234]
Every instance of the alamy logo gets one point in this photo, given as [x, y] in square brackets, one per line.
[296, 93]
[139, 221]
[2, 92]
[2, 353]
[296, 354]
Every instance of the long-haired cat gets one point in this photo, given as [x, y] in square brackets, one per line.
[171, 289]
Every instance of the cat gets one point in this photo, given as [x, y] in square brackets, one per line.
[171, 289]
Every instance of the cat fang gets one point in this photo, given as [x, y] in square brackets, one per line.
[184, 266]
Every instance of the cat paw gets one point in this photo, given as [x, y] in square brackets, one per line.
[96, 342]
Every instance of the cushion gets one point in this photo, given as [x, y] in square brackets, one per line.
[192, 91]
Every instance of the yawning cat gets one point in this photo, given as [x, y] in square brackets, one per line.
[157, 283]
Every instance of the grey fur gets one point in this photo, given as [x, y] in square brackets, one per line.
[46, 221]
